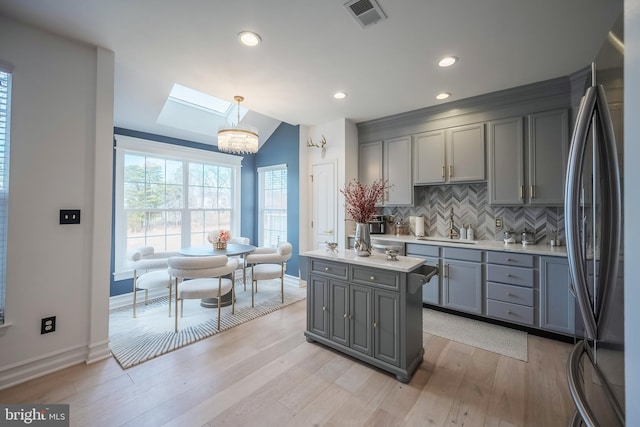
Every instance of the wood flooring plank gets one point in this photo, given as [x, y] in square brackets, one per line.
[264, 373]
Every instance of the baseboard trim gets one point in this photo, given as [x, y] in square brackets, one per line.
[26, 370]
[98, 351]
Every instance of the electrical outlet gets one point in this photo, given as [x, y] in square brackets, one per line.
[498, 222]
[48, 324]
[69, 216]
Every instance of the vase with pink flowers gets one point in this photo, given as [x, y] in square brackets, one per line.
[360, 201]
[219, 239]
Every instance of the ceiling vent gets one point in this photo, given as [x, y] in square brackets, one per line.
[366, 12]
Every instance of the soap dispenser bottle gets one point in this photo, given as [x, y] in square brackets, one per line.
[470, 233]
[463, 233]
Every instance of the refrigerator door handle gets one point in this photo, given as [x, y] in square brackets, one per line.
[575, 385]
[575, 255]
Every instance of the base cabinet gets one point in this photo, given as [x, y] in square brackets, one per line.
[367, 313]
[557, 304]
[462, 280]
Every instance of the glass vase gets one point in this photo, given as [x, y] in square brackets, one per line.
[362, 241]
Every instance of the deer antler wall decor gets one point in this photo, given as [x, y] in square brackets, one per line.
[320, 145]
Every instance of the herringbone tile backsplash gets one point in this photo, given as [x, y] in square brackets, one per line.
[470, 204]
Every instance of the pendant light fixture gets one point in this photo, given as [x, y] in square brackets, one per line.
[238, 139]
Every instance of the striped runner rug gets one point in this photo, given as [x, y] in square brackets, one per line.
[151, 333]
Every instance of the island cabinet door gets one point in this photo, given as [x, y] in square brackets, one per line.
[361, 318]
[318, 307]
[463, 286]
[386, 327]
[339, 312]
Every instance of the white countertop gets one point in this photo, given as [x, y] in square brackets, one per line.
[404, 263]
[486, 245]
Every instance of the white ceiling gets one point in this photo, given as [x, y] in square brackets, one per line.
[312, 48]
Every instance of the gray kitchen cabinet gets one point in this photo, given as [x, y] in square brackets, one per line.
[548, 149]
[506, 161]
[397, 171]
[318, 301]
[370, 162]
[557, 304]
[449, 156]
[429, 159]
[529, 173]
[462, 279]
[368, 313]
[431, 255]
[510, 287]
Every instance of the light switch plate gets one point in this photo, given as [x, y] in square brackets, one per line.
[498, 222]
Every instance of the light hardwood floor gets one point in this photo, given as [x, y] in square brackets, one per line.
[264, 373]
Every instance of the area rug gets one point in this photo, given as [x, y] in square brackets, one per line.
[494, 338]
[151, 333]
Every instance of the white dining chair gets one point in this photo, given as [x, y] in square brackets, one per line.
[149, 272]
[268, 263]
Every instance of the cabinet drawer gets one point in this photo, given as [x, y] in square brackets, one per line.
[507, 258]
[462, 254]
[424, 250]
[329, 268]
[510, 275]
[510, 293]
[373, 276]
[510, 312]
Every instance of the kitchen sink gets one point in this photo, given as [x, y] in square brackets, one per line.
[447, 240]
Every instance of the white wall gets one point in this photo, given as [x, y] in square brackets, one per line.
[341, 147]
[62, 107]
[631, 209]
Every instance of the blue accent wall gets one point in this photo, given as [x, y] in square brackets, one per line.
[283, 148]
[248, 202]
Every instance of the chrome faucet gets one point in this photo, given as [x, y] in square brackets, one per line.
[453, 233]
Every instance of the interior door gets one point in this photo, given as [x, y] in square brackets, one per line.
[324, 203]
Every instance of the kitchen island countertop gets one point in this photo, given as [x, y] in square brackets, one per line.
[404, 263]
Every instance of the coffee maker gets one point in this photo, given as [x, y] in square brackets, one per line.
[378, 224]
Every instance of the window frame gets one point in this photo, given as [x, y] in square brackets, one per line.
[125, 144]
[7, 68]
[261, 199]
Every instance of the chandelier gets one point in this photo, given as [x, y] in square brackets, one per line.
[238, 139]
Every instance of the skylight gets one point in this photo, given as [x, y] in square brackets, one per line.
[198, 99]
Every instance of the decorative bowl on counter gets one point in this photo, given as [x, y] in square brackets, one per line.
[332, 246]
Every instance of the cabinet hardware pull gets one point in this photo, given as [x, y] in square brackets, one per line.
[532, 192]
[443, 171]
[522, 191]
[350, 317]
[509, 312]
[446, 271]
[450, 171]
[509, 260]
[372, 278]
[326, 269]
[375, 325]
[345, 315]
[509, 275]
[509, 294]
[324, 308]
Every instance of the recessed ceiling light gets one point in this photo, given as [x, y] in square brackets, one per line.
[249, 38]
[339, 95]
[448, 61]
[443, 95]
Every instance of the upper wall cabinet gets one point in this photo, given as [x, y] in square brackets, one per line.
[397, 171]
[451, 155]
[370, 162]
[541, 161]
[389, 160]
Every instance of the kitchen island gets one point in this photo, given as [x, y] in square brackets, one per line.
[369, 308]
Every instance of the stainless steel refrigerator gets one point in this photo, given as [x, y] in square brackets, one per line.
[594, 228]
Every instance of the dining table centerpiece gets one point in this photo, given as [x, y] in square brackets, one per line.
[219, 239]
[360, 200]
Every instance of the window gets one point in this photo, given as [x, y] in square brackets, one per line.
[272, 205]
[5, 104]
[171, 197]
